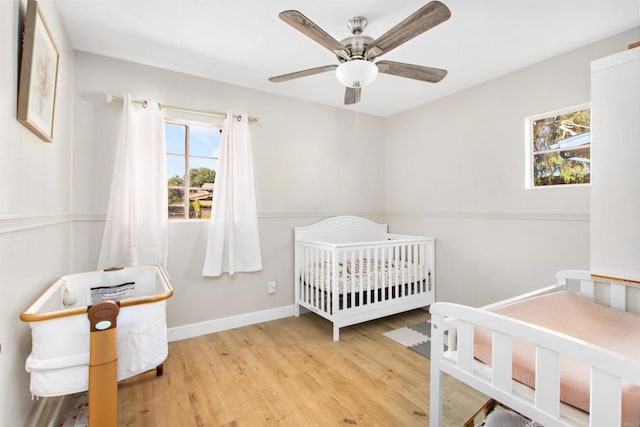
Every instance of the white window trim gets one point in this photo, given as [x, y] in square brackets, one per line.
[188, 123]
[528, 148]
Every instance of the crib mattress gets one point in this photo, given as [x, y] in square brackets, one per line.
[366, 275]
[575, 315]
[59, 357]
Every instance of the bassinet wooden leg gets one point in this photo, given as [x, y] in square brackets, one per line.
[296, 310]
[159, 370]
[336, 333]
[103, 365]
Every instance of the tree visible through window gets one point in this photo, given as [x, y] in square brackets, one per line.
[560, 148]
[192, 159]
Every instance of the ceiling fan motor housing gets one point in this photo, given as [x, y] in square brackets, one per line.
[357, 44]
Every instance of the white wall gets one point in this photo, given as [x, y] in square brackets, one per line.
[310, 162]
[455, 170]
[35, 229]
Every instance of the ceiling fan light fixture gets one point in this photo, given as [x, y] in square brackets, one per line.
[356, 73]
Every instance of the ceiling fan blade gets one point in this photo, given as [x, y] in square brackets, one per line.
[303, 73]
[352, 95]
[411, 71]
[307, 27]
[425, 18]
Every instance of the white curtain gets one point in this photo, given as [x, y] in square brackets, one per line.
[137, 220]
[233, 244]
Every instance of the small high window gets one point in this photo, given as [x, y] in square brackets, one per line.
[559, 148]
[192, 159]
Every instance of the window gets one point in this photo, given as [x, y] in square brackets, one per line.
[192, 159]
[559, 148]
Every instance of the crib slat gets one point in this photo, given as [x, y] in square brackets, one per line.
[384, 279]
[376, 273]
[465, 345]
[420, 268]
[360, 275]
[425, 267]
[310, 281]
[322, 277]
[344, 276]
[403, 272]
[352, 291]
[396, 271]
[368, 275]
[309, 273]
[587, 288]
[335, 295]
[547, 393]
[501, 357]
[406, 270]
[316, 281]
[429, 265]
[412, 270]
[307, 266]
[389, 271]
[400, 265]
[389, 278]
[618, 296]
[605, 401]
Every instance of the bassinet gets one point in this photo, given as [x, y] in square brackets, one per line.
[59, 357]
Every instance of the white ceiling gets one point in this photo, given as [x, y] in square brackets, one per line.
[244, 42]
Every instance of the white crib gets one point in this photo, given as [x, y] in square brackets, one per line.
[350, 270]
[611, 373]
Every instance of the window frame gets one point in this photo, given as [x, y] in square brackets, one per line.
[186, 187]
[529, 154]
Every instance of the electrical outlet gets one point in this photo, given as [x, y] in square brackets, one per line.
[271, 287]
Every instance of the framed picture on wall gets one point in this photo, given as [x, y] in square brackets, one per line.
[38, 75]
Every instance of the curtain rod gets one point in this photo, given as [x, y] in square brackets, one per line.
[112, 98]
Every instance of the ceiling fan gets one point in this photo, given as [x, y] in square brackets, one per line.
[357, 52]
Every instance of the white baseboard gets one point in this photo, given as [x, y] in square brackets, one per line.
[217, 325]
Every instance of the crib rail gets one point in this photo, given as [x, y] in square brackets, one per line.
[333, 277]
[608, 369]
[620, 294]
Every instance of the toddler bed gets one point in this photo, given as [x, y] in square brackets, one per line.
[559, 357]
[350, 270]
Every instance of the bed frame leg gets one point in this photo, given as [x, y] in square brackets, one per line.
[435, 376]
[336, 333]
[160, 370]
[296, 310]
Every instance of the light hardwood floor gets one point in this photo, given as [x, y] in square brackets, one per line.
[289, 372]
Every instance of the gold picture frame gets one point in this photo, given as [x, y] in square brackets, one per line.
[38, 75]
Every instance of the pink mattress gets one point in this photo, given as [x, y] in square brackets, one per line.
[575, 315]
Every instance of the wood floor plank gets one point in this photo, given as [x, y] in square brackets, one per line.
[289, 372]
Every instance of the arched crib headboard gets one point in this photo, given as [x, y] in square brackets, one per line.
[343, 229]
